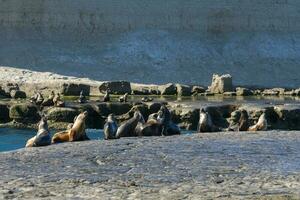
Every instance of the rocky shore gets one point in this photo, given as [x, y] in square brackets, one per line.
[206, 166]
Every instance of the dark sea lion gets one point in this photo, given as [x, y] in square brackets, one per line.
[106, 96]
[49, 100]
[124, 98]
[205, 122]
[164, 118]
[76, 133]
[127, 129]
[110, 127]
[244, 121]
[82, 98]
[42, 137]
[261, 125]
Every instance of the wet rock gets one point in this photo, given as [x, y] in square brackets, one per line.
[154, 107]
[168, 89]
[24, 113]
[221, 84]
[74, 89]
[94, 119]
[115, 108]
[273, 92]
[142, 89]
[17, 94]
[183, 90]
[59, 114]
[4, 113]
[198, 90]
[243, 91]
[116, 87]
[230, 94]
[189, 119]
[289, 117]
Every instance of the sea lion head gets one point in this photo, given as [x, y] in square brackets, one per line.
[43, 123]
[82, 116]
[111, 117]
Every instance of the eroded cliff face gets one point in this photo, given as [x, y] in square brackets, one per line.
[258, 42]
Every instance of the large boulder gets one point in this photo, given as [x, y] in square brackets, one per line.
[17, 94]
[142, 89]
[58, 114]
[189, 119]
[74, 89]
[183, 90]
[243, 91]
[115, 87]
[221, 84]
[289, 117]
[113, 108]
[4, 113]
[167, 89]
[24, 113]
[94, 119]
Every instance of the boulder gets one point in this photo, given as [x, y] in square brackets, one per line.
[116, 87]
[17, 94]
[154, 107]
[58, 114]
[4, 113]
[183, 90]
[74, 89]
[243, 91]
[167, 89]
[221, 84]
[289, 117]
[94, 119]
[198, 90]
[189, 119]
[113, 108]
[24, 113]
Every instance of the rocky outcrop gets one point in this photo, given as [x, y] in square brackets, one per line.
[74, 89]
[168, 89]
[115, 87]
[24, 113]
[243, 91]
[183, 90]
[221, 84]
[58, 114]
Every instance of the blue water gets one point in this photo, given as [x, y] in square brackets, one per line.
[12, 139]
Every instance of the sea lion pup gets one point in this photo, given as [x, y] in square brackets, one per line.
[205, 123]
[76, 133]
[82, 98]
[164, 118]
[127, 129]
[49, 100]
[106, 96]
[261, 125]
[110, 127]
[124, 98]
[42, 137]
[57, 101]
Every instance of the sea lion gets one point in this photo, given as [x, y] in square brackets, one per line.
[49, 100]
[76, 133]
[239, 121]
[244, 121]
[106, 96]
[152, 117]
[57, 101]
[261, 125]
[139, 126]
[110, 127]
[205, 122]
[124, 98]
[147, 99]
[82, 98]
[164, 118]
[127, 129]
[42, 137]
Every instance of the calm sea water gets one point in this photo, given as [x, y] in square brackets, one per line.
[11, 139]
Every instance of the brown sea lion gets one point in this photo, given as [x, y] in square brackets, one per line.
[57, 101]
[168, 126]
[205, 122]
[76, 133]
[110, 128]
[127, 129]
[244, 121]
[49, 100]
[261, 125]
[42, 137]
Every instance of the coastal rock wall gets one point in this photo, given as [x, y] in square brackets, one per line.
[155, 41]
